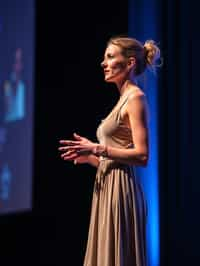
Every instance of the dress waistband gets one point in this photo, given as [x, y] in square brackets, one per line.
[102, 158]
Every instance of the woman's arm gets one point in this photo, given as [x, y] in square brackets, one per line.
[72, 154]
[89, 159]
[92, 160]
[136, 111]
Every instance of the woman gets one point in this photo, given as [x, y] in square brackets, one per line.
[118, 215]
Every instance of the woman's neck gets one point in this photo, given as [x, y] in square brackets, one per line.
[125, 85]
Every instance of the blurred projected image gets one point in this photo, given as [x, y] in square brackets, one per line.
[14, 90]
[17, 53]
[5, 182]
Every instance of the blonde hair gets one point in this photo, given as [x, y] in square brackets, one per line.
[145, 55]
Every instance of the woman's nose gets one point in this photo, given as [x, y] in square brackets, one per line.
[103, 64]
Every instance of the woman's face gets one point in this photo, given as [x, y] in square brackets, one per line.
[115, 65]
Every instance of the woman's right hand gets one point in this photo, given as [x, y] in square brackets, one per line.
[72, 155]
[76, 158]
[82, 159]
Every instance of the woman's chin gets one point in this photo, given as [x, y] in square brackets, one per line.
[107, 79]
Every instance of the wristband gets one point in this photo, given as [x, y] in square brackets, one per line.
[100, 150]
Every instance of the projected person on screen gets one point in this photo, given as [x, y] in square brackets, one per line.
[118, 214]
[14, 91]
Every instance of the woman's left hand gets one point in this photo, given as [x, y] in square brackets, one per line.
[79, 146]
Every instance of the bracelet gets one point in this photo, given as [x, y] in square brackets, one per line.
[100, 150]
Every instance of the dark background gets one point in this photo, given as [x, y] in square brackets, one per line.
[71, 96]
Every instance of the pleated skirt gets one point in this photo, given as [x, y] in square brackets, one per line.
[117, 231]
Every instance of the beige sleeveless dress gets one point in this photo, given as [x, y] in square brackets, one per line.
[118, 213]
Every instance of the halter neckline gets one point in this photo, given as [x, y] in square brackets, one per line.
[126, 92]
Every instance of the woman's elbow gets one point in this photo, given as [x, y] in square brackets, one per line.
[144, 160]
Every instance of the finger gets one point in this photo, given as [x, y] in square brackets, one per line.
[67, 153]
[70, 158]
[63, 148]
[66, 148]
[77, 136]
[75, 148]
[69, 142]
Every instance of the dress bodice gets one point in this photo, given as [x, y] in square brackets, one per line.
[112, 131]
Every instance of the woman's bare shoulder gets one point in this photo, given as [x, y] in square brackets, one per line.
[136, 101]
[137, 92]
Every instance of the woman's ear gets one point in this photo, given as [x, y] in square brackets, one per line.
[131, 62]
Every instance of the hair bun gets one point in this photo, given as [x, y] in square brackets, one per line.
[152, 52]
